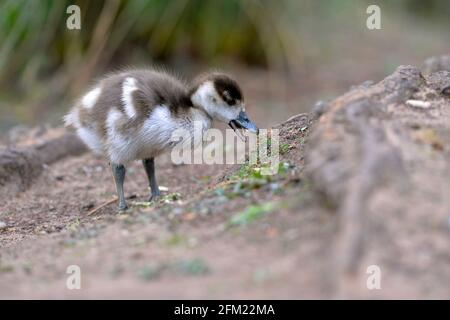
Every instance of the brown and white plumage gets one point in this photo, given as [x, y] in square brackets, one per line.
[132, 115]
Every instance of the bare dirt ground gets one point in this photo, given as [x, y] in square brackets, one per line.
[365, 184]
[184, 248]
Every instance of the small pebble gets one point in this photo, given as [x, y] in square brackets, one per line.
[3, 225]
[177, 211]
[320, 108]
[418, 103]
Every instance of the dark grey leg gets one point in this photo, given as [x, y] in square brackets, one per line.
[119, 177]
[149, 165]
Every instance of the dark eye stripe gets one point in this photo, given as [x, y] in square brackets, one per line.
[228, 89]
[229, 101]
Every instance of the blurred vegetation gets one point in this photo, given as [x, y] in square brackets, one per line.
[36, 42]
[43, 62]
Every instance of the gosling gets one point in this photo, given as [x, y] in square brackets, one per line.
[132, 115]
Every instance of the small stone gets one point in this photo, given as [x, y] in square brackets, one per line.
[3, 225]
[177, 211]
[320, 108]
[418, 103]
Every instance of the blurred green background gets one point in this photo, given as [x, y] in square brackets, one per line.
[286, 53]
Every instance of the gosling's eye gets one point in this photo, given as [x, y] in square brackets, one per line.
[214, 99]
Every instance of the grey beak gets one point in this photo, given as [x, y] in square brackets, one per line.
[243, 122]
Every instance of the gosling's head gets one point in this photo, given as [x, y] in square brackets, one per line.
[221, 98]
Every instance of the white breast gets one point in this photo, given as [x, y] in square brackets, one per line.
[160, 128]
[154, 136]
[157, 129]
